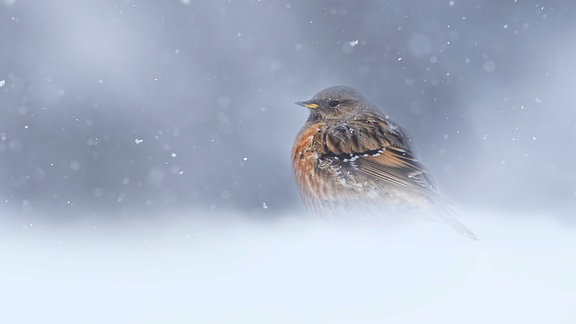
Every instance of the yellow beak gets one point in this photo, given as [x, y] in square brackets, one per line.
[308, 104]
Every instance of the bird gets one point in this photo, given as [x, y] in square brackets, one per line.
[349, 156]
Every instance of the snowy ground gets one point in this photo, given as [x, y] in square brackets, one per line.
[290, 271]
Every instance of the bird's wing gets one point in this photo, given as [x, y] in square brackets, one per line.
[380, 150]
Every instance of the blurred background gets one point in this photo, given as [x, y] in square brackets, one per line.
[145, 161]
[122, 105]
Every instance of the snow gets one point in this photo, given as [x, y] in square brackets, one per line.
[289, 271]
[93, 145]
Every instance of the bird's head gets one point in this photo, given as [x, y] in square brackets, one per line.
[335, 103]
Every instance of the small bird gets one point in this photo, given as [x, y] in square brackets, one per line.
[348, 156]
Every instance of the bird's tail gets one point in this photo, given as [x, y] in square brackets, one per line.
[447, 215]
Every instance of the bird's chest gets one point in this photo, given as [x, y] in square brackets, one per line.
[306, 153]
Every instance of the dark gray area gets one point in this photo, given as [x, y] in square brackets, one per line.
[126, 106]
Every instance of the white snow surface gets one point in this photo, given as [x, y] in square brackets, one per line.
[231, 270]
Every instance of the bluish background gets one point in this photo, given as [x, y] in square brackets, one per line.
[121, 105]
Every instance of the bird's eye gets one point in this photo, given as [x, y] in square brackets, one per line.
[333, 103]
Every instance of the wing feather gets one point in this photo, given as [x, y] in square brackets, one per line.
[381, 151]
